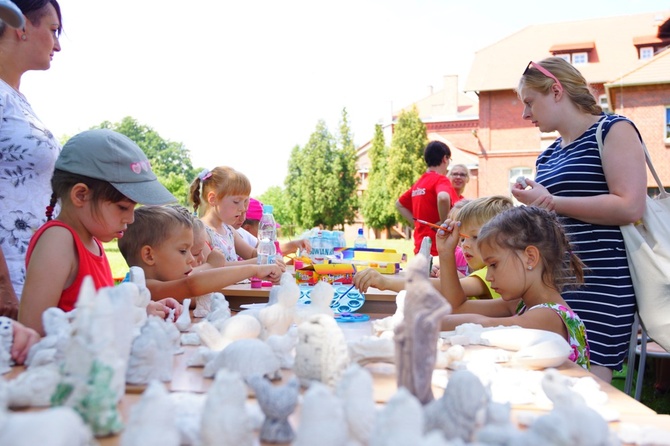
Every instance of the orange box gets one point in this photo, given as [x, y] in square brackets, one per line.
[326, 272]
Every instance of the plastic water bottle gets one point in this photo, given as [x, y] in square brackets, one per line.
[266, 252]
[267, 228]
[319, 248]
[360, 241]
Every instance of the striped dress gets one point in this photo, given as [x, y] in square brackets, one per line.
[606, 301]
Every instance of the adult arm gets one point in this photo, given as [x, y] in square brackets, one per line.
[625, 172]
[9, 303]
[403, 204]
[443, 205]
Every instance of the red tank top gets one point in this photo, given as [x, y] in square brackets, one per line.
[90, 264]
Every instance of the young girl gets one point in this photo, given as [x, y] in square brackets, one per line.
[99, 177]
[529, 259]
[223, 194]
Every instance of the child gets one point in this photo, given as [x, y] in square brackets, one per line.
[223, 194]
[529, 260]
[99, 177]
[160, 242]
[474, 214]
[205, 257]
[461, 263]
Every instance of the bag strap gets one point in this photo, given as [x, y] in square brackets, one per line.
[599, 138]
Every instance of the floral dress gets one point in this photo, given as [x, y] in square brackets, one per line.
[28, 152]
[224, 243]
[576, 331]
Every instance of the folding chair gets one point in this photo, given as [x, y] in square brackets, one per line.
[645, 347]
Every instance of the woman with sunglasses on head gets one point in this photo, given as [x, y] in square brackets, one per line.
[28, 150]
[594, 196]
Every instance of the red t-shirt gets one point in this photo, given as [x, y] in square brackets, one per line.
[90, 264]
[421, 199]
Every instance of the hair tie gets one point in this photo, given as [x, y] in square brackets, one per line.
[204, 174]
[50, 210]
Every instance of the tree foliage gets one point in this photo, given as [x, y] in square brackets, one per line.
[405, 160]
[345, 198]
[170, 161]
[278, 198]
[377, 204]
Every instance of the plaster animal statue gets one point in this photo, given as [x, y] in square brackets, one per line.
[225, 421]
[151, 356]
[242, 326]
[277, 403]
[94, 368]
[210, 336]
[498, 429]
[51, 348]
[183, 322]
[247, 357]
[284, 347]
[389, 323]
[141, 299]
[190, 338]
[6, 339]
[33, 387]
[399, 422]
[203, 304]
[188, 407]
[321, 412]
[416, 336]
[152, 420]
[321, 354]
[369, 349]
[201, 356]
[355, 391]
[462, 408]
[220, 309]
[321, 297]
[278, 317]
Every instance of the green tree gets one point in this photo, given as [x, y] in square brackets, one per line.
[278, 198]
[295, 191]
[344, 201]
[170, 161]
[405, 160]
[377, 204]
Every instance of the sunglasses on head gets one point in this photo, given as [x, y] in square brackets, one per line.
[544, 71]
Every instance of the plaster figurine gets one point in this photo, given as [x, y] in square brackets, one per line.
[246, 357]
[370, 349]
[152, 420]
[190, 339]
[399, 422]
[278, 317]
[242, 326]
[141, 299]
[183, 322]
[321, 354]
[284, 347]
[210, 336]
[355, 391]
[151, 356]
[33, 387]
[322, 418]
[225, 421]
[389, 323]
[51, 348]
[220, 308]
[416, 336]
[201, 356]
[321, 297]
[462, 408]
[277, 403]
[203, 304]
[6, 339]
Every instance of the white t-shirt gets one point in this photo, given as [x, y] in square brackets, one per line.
[28, 152]
[248, 237]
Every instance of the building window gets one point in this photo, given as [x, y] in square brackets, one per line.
[564, 56]
[646, 52]
[604, 104]
[580, 58]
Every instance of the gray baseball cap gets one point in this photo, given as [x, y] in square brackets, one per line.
[11, 14]
[107, 155]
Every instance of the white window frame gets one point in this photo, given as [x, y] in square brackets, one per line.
[564, 56]
[581, 58]
[646, 52]
[667, 124]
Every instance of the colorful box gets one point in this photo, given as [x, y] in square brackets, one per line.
[326, 272]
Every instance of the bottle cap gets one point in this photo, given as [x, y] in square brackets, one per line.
[360, 231]
[268, 208]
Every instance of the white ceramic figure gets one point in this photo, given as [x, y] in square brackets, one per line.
[370, 349]
[462, 408]
[355, 391]
[6, 339]
[400, 422]
[277, 403]
[242, 326]
[203, 304]
[284, 347]
[190, 339]
[321, 354]
[152, 420]
[210, 336]
[201, 356]
[183, 322]
[246, 357]
[321, 297]
[278, 317]
[51, 348]
[389, 323]
[416, 336]
[188, 409]
[225, 421]
[220, 309]
[449, 356]
[174, 335]
[151, 356]
[498, 428]
[33, 387]
[94, 369]
[141, 299]
[322, 419]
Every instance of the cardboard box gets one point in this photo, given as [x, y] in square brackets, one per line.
[326, 272]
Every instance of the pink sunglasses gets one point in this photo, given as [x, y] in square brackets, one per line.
[544, 71]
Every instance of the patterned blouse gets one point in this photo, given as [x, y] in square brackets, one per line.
[224, 243]
[576, 331]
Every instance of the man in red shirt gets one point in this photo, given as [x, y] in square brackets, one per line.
[431, 197]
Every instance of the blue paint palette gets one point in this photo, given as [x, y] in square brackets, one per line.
[345, 300]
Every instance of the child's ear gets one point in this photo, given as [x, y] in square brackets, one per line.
[79, 194]
[532, 256]
[211, 198]
[147, 255]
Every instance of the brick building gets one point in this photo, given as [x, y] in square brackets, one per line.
[625, 59]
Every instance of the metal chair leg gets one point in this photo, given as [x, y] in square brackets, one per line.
[631, 356]
[643, 361]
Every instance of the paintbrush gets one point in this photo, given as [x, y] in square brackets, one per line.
[432, 225]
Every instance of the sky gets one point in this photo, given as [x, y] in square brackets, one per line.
[240, 83]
